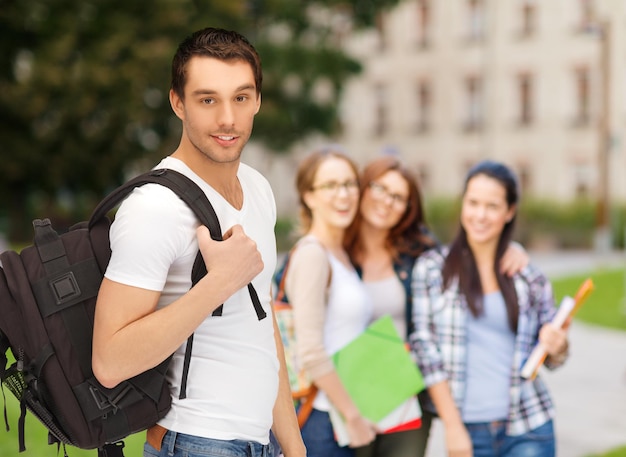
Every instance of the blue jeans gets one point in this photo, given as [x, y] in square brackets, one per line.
[490, 440]
[319, 439]
[181, 445]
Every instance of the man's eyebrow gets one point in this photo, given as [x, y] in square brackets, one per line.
[241, 88]
[246, 87]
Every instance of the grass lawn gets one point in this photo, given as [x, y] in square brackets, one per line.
[619, 452]
[36, 437]
[604, 307]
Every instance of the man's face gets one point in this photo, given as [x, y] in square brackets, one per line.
[218, 108]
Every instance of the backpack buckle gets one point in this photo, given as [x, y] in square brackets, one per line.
[65, 288]
[104, 403]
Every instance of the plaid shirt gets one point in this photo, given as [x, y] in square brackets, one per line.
[439, 338]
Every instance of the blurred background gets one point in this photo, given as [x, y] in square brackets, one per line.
[442, 84]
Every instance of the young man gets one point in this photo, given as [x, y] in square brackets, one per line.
[237, 387]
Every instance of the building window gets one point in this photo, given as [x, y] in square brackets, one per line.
[582, 191]
[381, 121]
[525, 97]
[528, 19]
[474, 106]
[423, 23]
[581, 81]
[582, 178]
[586, 16]
[475, 20]
[524, 178]
[382, 31]
[424, 104]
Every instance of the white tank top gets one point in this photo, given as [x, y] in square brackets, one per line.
[348, 312]
[389, 298]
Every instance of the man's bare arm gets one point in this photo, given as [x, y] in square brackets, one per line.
[131, 337]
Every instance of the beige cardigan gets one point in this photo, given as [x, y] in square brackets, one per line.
[306, 286]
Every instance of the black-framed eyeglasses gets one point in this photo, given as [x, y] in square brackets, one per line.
[332, 187]
[381, 192]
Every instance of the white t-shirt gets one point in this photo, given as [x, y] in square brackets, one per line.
[233, 375]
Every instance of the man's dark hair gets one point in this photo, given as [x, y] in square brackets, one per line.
[217, 43]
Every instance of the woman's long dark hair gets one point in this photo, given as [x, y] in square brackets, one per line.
[410, 235]
[460, 262]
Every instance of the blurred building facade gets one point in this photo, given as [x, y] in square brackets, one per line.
[539, 85]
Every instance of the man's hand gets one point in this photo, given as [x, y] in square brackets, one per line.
[235, 260]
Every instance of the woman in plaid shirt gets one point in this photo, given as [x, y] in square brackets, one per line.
[475, 327]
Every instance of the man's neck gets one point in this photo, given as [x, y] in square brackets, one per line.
[220, 176]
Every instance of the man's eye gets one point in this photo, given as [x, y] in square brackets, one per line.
[242, 98]
[208, 101]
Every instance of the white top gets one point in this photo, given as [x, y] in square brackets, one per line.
[348, 312]
[389, 298]
[233, 376]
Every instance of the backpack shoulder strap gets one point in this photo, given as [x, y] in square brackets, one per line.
[197, 200]
[180, 184]
[193, 196]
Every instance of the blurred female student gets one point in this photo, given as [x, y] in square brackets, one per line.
[331, 306]
[474, 328]
[386, 237]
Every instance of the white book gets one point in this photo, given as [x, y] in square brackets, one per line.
[407, 416]
[538, 355]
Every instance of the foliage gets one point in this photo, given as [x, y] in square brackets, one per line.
[285, 234]
[84, 86]
[540, 223]
[442, 216]
[560, 225]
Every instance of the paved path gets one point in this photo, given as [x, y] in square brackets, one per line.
[589, 391]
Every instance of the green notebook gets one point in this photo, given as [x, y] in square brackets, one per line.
[377, 370]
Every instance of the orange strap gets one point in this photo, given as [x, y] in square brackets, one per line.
[307, 406]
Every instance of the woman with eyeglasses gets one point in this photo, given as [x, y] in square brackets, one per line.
[331, 306]
[386, 237]
[475, 327]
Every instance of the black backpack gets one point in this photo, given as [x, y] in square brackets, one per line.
[47, 303]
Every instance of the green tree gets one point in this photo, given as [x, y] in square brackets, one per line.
[84, 87]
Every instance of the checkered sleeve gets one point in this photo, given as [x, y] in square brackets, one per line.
[426, 288]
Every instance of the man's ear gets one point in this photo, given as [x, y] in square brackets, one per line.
[177, 104]
[258, 103]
